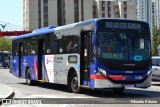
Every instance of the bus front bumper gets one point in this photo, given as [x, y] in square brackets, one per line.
[108, 84]
[146, 83]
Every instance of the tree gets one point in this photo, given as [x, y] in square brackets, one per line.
[5, 44]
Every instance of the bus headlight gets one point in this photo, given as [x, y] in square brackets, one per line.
[102, 71]
[149, 72]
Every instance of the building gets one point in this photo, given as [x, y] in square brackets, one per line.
[117, 9]
[42, 13]
[144, 11]
[156, 13]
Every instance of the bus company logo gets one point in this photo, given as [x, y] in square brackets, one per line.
[49, 61]
[58, 59]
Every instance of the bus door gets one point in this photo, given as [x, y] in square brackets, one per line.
[85, 57]
[41, 50]
[20, 59]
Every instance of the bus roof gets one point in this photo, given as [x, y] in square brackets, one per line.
[54, 28]
[36, 32]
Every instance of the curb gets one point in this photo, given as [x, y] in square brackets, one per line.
[8, 96]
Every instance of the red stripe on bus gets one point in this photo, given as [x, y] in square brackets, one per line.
[101, 77]
[35, 69]
[116, 77]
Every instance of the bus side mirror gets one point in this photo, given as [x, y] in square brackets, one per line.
[94, 39]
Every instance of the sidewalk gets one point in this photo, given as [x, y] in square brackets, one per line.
[5, 92]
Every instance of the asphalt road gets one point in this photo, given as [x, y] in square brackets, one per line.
[60, 95]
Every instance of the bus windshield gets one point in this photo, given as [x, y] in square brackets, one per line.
[123, 45]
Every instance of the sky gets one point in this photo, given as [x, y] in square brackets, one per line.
[11, 13]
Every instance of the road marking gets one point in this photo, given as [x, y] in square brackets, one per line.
[53, 96]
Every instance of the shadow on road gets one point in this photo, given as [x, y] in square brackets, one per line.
[156, 85]
[57, 87]
[156, 82]
[2, 68]
[106, 93]
[128, 93]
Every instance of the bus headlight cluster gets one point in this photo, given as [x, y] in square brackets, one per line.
[102, 71]
[149, 72]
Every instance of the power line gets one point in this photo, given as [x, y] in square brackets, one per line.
[12, 24]
[14, 27]
[6, 29]
[11, 28]
[8, 26]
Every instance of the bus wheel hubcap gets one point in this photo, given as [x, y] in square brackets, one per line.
[28, 79]
[75, 83]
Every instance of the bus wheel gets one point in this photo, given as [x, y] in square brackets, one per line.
[28, 77]
[118, 90]
[7, 65]
[74, 83]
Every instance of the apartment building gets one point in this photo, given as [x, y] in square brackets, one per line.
[42, 13]
[117, 9]
[144, 11]
[156, 13]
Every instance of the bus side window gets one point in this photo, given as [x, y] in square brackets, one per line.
[55, 45]
[63, 44]
[69, 46]
[48, 44]
[33, 46]
[14, 48]
[27, 47]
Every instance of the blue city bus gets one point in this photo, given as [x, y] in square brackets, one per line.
[96, 54]
[5, 59]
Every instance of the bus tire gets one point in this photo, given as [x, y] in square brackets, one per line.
[7, 65]
[118, 90]
[28, 77]
[75, 88]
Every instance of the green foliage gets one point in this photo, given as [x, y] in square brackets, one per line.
[156, 40]
[5, 44]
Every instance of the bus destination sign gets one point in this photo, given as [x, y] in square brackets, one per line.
[122, 25]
